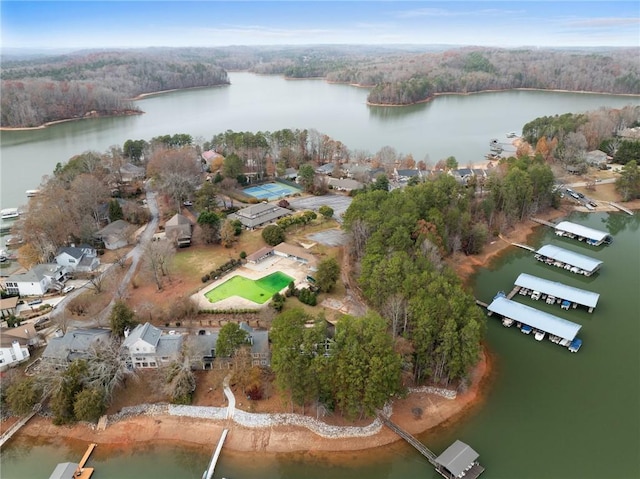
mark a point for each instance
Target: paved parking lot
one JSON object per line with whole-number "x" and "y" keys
{"x": 339, "y": 203}
{"x": 334, "y": 237}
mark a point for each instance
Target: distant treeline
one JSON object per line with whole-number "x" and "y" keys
{"x": 38, "y": 91}
{"x": 44, "y": 89}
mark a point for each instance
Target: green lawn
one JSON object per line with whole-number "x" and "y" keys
{"x": 259, "y": 291}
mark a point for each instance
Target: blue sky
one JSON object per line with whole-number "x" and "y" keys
{"x": 96, "y": 24}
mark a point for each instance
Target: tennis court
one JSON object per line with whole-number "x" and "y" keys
{"x": 271, "y": 191}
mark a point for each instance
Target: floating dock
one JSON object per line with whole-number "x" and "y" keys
{"x": 569, "y": 260}
{"x": 68, "y": 470}
{"x": 553, "y": 292}
{"x": 457, "y": 461}
{"x": 529, "y": 320}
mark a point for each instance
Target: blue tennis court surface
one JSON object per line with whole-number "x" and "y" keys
{"x": 271, "y": 191}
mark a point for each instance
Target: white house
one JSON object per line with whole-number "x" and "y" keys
{"x": 149, "y": 348}
{"x": 14, "y": 345}
{"x": 37, "y": 281}
{"x": 81, "y": 258}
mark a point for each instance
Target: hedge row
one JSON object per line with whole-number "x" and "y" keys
{"x": 229, "y": 311}
{"x": 303, "y": 219}
{"x": 225, "y": 268}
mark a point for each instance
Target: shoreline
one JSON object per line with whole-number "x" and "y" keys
{"x": 88, "y": 116}
{"x": 435, "y": 95}
{"x": 188, "y": 431}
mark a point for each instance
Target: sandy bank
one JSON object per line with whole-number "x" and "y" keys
{"x": 436, "y": 411}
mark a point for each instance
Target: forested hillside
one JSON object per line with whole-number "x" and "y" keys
{"x": 38, "y": 91}
{"x": 410, "y": 80}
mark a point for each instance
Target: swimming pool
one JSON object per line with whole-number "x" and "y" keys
{"x": 259, "y": 291}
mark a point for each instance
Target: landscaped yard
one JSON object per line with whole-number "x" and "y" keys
{"x": 259, "y": 291}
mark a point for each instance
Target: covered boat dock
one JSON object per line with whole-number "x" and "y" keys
{"x": 554, "y": 292}
{"x": 569, "y": 260}
{"x": 590, "y": 236}
{"x": 459, "y": 460}
{"x": 560, "y": 330}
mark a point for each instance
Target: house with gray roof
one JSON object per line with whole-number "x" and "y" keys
{"x": 326, "y": 169}
{"x": 202, "y": 350}
{"x": 115, "y": 235}
{"x": 74, "y": 345}
{"x": 147, "y": 347}
{"x": 83, "y": 258}
{"x": 259, "y": 340}
{"x": 179, "y": 230}
{"x": 259, "y": 215}
{"x": 344, "y": 184}
{"x": 37, "y": 281}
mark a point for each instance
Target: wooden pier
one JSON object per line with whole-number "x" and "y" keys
{"x": 621, "y": 208}
{"x": 543, "y": 222}
{"x": 524, "y": 246}
{"x": 208, "y": 474}
{"x": 466, "y": 465}
{"x": 421, "y": 448}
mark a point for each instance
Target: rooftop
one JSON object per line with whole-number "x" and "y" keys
{"x": 457, "y": 457}
{"x": 534, "y": 318}
{"x": 581, "y": 230}
{"x": 566, "y": 256}
{"x": 559, "y": 290}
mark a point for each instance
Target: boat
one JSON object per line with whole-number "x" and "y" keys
{"x": 526, "y": 329}
{"x": 565, "y": 304}
{"x": 3, "y": 256}
{"x": 512, "y": 134}
{"x": 32, "y": 193}
{"x": 9, "y": 213}
{"x": 565, "y": 342}
{"x": 494, "y": 145}
{"x": 575, "y": 345}
{"x": 535, "y": 295}
{"x": 551, "y": 299}
{"x": 507, "y": 322}
{"x": 539, "y": 335}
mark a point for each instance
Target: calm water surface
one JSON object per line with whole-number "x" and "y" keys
{"x": 548, "y": 414}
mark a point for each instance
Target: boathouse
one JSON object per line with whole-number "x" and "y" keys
{"x": 459, "y": 460}
{"x": 558, "y": 291}
{"x": 577, "y": 263}
{"x": 590, "y": 236}
{"x": 539, "y": 320}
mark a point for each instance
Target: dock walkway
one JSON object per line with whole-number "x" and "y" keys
{"x": 621, "y": 208}
{"x": 422, "y": 449}
{"x": 16, "y": 427}
{"x": 208, "y": 474}
{"x": 543, "y": 222}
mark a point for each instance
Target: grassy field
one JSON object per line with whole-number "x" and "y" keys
{"x": 259, "y": 291}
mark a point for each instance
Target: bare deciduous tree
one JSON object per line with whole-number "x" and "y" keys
{"x": 157, "y": 258}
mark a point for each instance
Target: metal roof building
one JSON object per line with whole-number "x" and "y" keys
{"x": 597, "y": 237}
{"x": 536, "y": 319}
{"x": 566, "y": 256}
{"x": 457, "y": 458}
{"x": 559, "y": 290}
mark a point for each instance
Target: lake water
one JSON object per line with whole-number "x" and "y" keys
{"x": 548, "y": 413}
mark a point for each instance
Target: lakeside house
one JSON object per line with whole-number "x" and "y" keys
{"x": 148, "y": 348}
{"x": 74, "y": 345}
{"x": 257, "y": 215}
{"x": 15, "y": 345}
{"x": 259, "y": 341}
{"x": 83, "y": 258}
{"x": 38, "y": 280}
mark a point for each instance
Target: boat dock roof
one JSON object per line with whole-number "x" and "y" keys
{"x": 536, "y": 319}
{"x": 559, "y": 290}
{"x": 569, "y": 257}
{"x": 584, "y": 231}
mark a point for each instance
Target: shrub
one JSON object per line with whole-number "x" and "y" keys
{"x": 205, "y": 278}
{"x": 273, "y": 235}
{"x": 243, "y": 254}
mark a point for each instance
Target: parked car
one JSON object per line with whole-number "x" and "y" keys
{"x": 68, "y": 289}
{"x": 188, "y": 203}
{"x": 34, "y": 302}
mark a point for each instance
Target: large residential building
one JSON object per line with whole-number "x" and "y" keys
{"x": 258, "y": 215}
{"x": 149, "y": 348}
